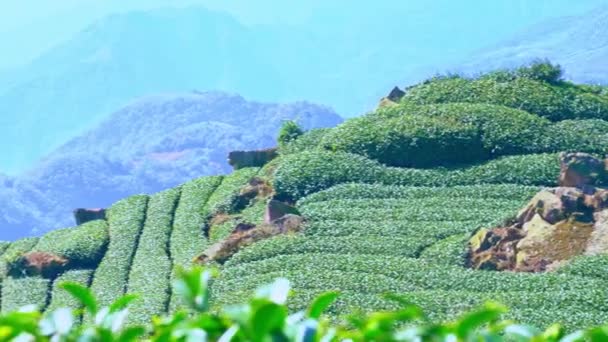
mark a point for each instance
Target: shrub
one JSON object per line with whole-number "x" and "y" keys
{"x": 13, "y": 252}
{"x": 61, "y": 298}
{"x": 82, "y": 246}
{"x": 503, "y": 130}
{"x": 310, "y": 140}
{"x": 266, "y": 316}
{"x": 289, "y": 132}
{"x": 595, "y": 266}
{"x": 380, "y": 191}
{"x": 581, "y": 136}
{"x": 408, "y": 140}
{"x": 151, "y": 268}
{"x": 379, "y": 245}
{"x": 305, "y": 173}
{"x": 554, "y": 102}
{"x": 3, "y": 246}
{"x": 223, "y": 199}
{"x": 187, "y": 238}
{"x": 19, "y": 292}
{"x": 125, "y": 220}
{"x": 449, "y": 251}
{"x": 542, "y": 71}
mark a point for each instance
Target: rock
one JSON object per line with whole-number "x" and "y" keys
{"x": 598, "y": 241}
{"x": 556, "y": 225}
{"x": 38, "y": 264}
{"x": 276, "y": 209}
{"x": 547, "y": 204}
{"x": 396, "y": 94}
{"x": 546, "y": 243}
{"x": 581, "y": 170}
{"x": 257, "y": 158}
{"x": 393, "y": 98}
{"x": 246, "y": 234}
{"x": 289, "y": 223}
{"x": 494, "y": 249}
{"x": 82, "y": 215}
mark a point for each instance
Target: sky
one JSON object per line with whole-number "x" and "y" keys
{"x": 31, "y": 27}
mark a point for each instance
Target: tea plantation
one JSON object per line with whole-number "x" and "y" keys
{"x": 390, "y": 200}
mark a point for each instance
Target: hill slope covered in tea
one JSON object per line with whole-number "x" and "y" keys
{"x": 390, "y": 200}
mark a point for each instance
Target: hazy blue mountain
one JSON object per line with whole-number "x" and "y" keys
{"x": 578, "y": 43}
{"x": 341, "y": 53}
{"x": 153, "y": 143}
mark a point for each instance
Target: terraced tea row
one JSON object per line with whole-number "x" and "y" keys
{"x": 136, "y": 250}
{"x": 368, "y": 239}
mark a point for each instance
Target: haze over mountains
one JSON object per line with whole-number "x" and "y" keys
{"x": 55, "y": 118}
{"x": 578, "y": 43}
{"x": 152, "y": 144}
{"x": 325, "y": 56}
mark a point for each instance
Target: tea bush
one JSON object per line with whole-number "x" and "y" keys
{"x": 19, "y": 292}
{"x": 595, "y": 266}
{"x": 380, "y": 191}
{"x": 83, "y": 246}
{"x": 310, "y": 140}
{"x": 408, "y": 140}
{"x": 554, "y": 102}
{"x": 448, "y": 251}
{"x": 267, "y": 316}
{"x": 125, "y": 220}
{"x": 187, "y": 238}
{"x": 581, "y": 135}
{"x": 223, "y": 198}
{"x": 305, "y": 173}
{"x": 61, "y": 298}
{"x": 151, "y": 268}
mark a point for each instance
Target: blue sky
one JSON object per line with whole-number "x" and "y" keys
{"x": 30, "y": 27}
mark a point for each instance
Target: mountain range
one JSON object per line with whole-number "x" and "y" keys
{"x": 578, "y": 43}
{"x": 154, "y": 143}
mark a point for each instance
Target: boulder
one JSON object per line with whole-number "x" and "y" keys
{"x": 245, "y": 234}
{"x": 256, "y": 158}
{"x": 581, "y": 170}
{"x": 556, "y": 225}
{"x": 546, "y": 243}
{"x": 83, "y": 215}
{"x": 276, "y": 209}
{"x": 38, "y": 264}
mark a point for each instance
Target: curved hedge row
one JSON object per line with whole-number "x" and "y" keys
{"x": 83, "y": 246}
{"x": 125, "y": 219}
{"x": 444, "y": 134}
{"x": 20, "y": 292}
{"x": 302, "y": 174}
{"x": 60, "y": 298}
{"x": 408, "y": 140}
{"x": 151, "y": 268}
{"x": 380, "y": 191}
{"x": 448, "y": 251}
{"x": 460, "y": 133}
{"x": 554, "y": 102}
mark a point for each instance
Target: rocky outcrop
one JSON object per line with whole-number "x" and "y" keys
{"x": 276, "y": 209}
{"x": 555, "y": 226}
{"x": 82, "y": 215}
{"x": 392, "y": 98}
{"x": 38, "y": 264}
{"x": 257, "y": 158}
{"x": 245, "y": 234}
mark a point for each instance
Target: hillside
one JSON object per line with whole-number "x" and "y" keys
{"x": 390, "y": 200}
{"x": 154, "y": 143}
{"x": 578, "y": 43}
